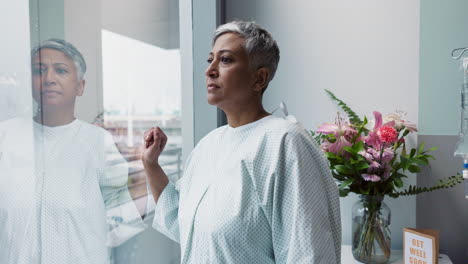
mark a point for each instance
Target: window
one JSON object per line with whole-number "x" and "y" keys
{"x": 132, "y": 82}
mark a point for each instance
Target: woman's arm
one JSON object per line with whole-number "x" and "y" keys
{"x": 165, "y": 195}
{"x": 155, "y": 141}
{"x": 306, "y": 224}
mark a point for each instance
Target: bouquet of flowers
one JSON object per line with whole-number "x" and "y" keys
{"x": 370, "y": 158}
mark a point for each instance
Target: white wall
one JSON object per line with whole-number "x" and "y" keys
{"x": 365, "y": 51}
{"x": 85, "y": 34}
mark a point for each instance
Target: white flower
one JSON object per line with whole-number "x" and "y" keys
{"x": 396, "y": 117}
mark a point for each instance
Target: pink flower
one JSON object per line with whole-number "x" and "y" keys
{"x": 387, "y": 134}
{"x": 378, "y": 120}
{"x": 328, "y": 128}
{"x": 371, "y": 177}
{"x": 366, "y": 155}
{"x": 375, "y": 154}
{"x": 337, "y": 147}
{"x": 387, "y": 155}
{"x": 325, "y": 146}
{"x": 374, "y": 165}
{"x": 387, "y": 171}
{"x": 373, "y": 139}
{"x": 343, "y": 134}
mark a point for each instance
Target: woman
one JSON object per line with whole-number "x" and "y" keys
{"x": 257, "y": 190}
{"x": 79, "y": 173}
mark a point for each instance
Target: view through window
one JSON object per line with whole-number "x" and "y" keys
{"x": 141, "y": 89}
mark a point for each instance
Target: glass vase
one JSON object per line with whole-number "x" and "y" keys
{"x": 371, "y": 231}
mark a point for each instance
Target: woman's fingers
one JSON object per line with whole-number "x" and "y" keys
{"x": 147, "y": 133}
{"x": 155, "y": 139}
{"x": 163, "y": 140}
{"x": 148, "y": 137}
{"x": 154, "y": 142}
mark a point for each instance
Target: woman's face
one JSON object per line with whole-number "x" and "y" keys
{"x": 55, "y": 79}
{"x": 229, "y": 79}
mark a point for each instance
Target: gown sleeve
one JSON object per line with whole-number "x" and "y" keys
{"x": 166, "y": 213}
{"x": 305, "y": 212}
{"x": 122, "y": 216}
{"x": 114, "y": 177}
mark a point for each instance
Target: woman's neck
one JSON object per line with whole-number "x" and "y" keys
{"x": 54, "y": 118}
{"x": 245, "y": 114}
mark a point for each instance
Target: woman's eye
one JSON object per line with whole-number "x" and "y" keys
{"x": 209, "y": 60}
{"x": 226, "y": 60}
{"x": 37, "y": 71}
{"x": 61, "y": 71}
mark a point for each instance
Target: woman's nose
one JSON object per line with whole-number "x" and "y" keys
{"x": 211, "y": 71}
{"x": 48, "y": 77}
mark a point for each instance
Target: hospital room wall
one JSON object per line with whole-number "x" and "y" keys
{"x": 366, "y": 52}
{"x": 442, "y": 29}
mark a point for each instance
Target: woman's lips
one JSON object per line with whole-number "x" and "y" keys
{"x": 212, "y": 87}
{"x": 50, "y": 93}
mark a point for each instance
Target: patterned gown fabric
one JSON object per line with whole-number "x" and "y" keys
{"x": 58, "y": 212}
{"x": 260, "y": 193}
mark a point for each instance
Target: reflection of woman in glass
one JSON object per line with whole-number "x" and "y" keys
{"x": 257, "y": 190}
{"x": 80, "y": 174}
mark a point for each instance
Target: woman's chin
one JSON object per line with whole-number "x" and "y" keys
{"x": 54, "y": 106}
{"x": 212, "y": 100}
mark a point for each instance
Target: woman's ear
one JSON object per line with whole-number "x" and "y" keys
{"x": 80, "y": 88}
{"x": 262, "y": 77}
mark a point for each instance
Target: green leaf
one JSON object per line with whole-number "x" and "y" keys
{"x": 414, "y": 169}
{"x": 346, "y": 183}
{"x": 344, "y": 193}
{"x": 401, "y": 175}
{"x": 442, "y": 184}
{"x": 421, "y": 147}
{"x": 404, "y": 162}
{"x": 398, "y": 182}
{"x": 421, "y": 161}
{"x": 330, "y": 155}
{"x": 358, "y": 146}
{"x": 431, "y": 149}
{"x": 343, "y": 169}
{"x": 339, "y": 177}
{"x": 364, "y": 191}
{"x": 353, "y": 117}
{"x": 349, "y": 149}
{"x": 362, "y": 165}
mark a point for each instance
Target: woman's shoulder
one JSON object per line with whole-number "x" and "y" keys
{"x": 92, "y": 134}
{"x": 92, "y": 128}
{"x": 277, "y": 126}
{"x": 212, "y": 135}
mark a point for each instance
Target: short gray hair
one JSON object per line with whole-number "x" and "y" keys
{"x": 260, "y": 46}
{"x": 68, "y": 49}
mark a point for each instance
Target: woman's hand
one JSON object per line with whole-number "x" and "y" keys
{"x": 155, "y": 141}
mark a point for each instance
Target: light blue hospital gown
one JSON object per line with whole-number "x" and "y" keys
{"x": 56, "y": 211}
{"x": 259, "y": 193}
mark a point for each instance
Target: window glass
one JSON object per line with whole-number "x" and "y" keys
{"x": 71, "y": 130}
